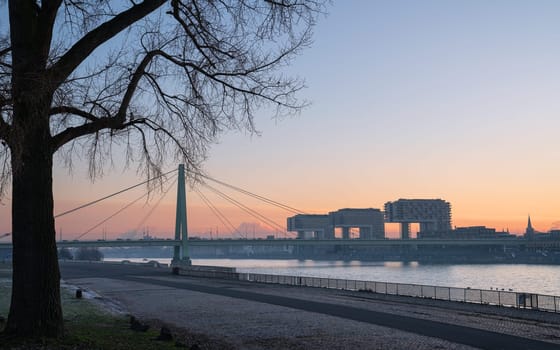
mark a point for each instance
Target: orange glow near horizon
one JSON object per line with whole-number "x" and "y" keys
{"x": 499, "y": 208}
{"x": 203, "y": 223}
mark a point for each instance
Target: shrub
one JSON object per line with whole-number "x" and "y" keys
{"x": 90, "y": 254}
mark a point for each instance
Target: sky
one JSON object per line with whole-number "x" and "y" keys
{"x": 409, "y": 99}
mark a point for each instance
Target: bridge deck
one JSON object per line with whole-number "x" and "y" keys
{"x": 549, "y": 243}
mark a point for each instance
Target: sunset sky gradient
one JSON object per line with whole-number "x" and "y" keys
{"x": 458, "y": 100}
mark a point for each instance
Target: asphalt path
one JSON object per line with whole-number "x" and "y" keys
{"x": 479, "y": 338}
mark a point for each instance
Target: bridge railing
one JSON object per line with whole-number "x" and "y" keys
{"x": 541, "y": 302}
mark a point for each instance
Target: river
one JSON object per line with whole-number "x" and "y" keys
{"x": 541, "y": 279}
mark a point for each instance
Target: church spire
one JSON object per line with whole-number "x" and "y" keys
{"x": 529, "y": 231}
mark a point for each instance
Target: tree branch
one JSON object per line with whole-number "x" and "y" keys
{"x": 185, "y": 26}
{"x": 216, "y": 76}
{"x": 155, "y": 127}
{"x": 5, "y": 101}
{"x": 73, "y": 110}
{"x": 4, "y": 130}
{"x": 131, "y": 88}
{"x": 224, "y": 70}
{"x": 116, "y": 122}
{"x": 92, "y": 40}
{"x": 5, "y": 51}
{"x": 46, "y": 19}
{"x": 72, "y": 133}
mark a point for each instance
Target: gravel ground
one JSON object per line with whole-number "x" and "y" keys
{"x": 243, "y": 324}
{"x": 524, "y": 323}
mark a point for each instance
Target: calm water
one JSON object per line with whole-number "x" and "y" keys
{"x": 542, "y": 279}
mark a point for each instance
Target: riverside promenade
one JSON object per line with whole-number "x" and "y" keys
{"x": 244, "y": 315}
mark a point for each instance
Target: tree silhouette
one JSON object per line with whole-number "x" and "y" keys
{"x": 150, "y": 79}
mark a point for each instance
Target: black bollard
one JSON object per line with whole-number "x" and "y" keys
{"x": 78, "y": 294}
{"x": 165, "y": 334}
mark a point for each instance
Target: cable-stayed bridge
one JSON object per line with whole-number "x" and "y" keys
{"x": 181, "y": 241}
{"x": 311, "y": 242}
{"x": 169, "y": 179}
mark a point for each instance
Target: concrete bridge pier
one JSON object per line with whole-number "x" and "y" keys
{"x": 346, "y": 233}
{"x": 365, "y": 233}
{"x": 405, "y": 230}
{"x": 181, "y": 253}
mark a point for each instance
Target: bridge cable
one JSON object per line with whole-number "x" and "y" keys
{"x": 115, "y": 214}
{"x": 248, "y": 210}
{"x": 217, "y": 212}
{"x": 112, "y": 195}
{"x": 214, "y": 210}
{"x": 147, "y": 216}
{"x": 254, "y": 195}
{"x": 111, "y": 216}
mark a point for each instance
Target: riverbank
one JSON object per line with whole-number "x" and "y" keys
{"x": 90, "y": 323}
{"x": 262, "y": 316}
{"x": 226, "y": 314}
{"x": 536, "y": 279}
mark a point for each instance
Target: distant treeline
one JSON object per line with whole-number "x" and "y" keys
{"x": 82, "y": 253}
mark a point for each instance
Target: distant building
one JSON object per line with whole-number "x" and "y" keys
{"x": 474, "y": 232}
{"x": 529, "y": 231}
{"x": 479, "y": 232}
{"x": 433, "y": 215}
{"x": 469, "y": 232}
{"x": 319, "y": 226}
{"x": 370, "y": 223}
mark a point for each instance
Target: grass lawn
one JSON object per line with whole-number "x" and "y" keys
{"x": 87, "y": 326}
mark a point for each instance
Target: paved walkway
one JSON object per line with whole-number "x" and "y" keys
{"x": 260, "y": 316}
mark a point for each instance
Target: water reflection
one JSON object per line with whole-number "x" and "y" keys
{"x": 400, "y": 264}
{"x": 542, "y": 279}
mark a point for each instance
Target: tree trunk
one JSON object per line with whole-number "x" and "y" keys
{"x": 35, "y": 309}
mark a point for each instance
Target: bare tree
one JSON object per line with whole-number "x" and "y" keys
{"x": 158, "y": 79}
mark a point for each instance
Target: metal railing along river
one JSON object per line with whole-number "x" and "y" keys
{"x": 541, "y": 302}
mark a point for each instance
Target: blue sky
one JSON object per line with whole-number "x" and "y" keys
{"x": 410, "y": 99}
{"x": 451, "y": 99}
